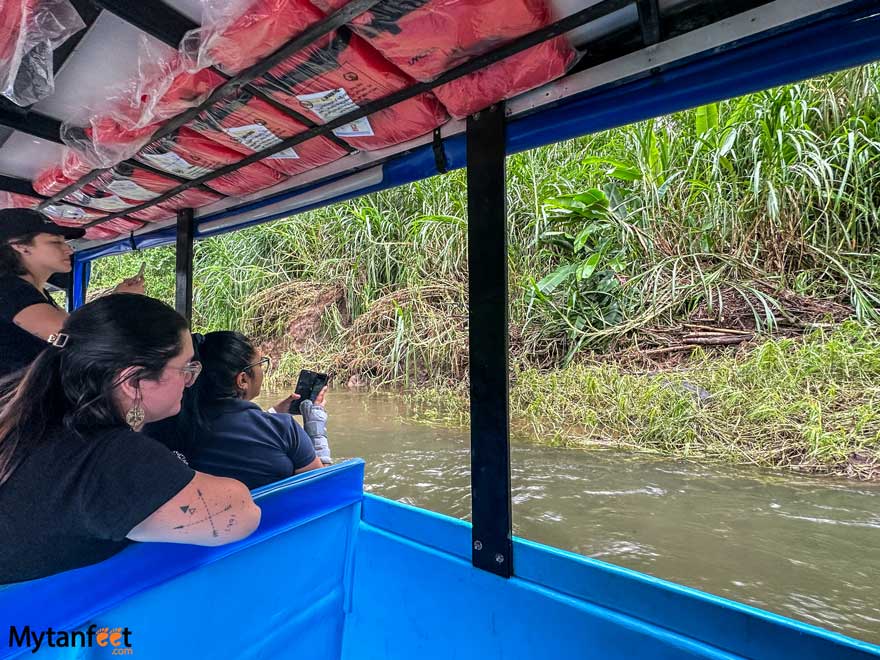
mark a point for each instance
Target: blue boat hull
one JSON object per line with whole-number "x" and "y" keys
{"x": 333, "y": 573}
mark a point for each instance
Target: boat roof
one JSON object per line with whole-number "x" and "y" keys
{"x": 637, "y": 59}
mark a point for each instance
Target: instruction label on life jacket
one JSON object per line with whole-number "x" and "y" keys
{"x": 65, "y": 212}
{"x": 131, "y": 190}
{"x": 171, "y": 162}
{"x": 257, "y": 137}
{"x": 110, "y": 203}
{"x": 332, "y": 104}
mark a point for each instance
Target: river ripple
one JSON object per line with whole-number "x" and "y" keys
{"x": 805, "y": 547}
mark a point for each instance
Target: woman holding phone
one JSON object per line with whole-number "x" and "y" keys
{"x": 230, "y": 436}
{"x": 33, "y": 249}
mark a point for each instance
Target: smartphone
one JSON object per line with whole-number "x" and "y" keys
{"x": 308, "y": 386}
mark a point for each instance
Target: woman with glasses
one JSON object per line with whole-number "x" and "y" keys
{"x": 232, "y": 436}
{"x": 78, "y": 479}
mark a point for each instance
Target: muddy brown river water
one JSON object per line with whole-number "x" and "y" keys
{"x": 804, "y": 547}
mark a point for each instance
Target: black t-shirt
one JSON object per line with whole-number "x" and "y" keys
{"x": 18, "y": 347}
{"x": 72, "y": 500}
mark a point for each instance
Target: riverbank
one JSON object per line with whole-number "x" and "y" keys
{"x": 808, "y": 404}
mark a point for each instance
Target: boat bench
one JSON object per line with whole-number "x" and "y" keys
{"x": 332, "y": 573}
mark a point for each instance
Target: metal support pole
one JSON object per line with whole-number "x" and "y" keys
{"x": 487, "y": 314}
{"x": 79, "y": 284}
{"x": 649, "y": 20}
{"x": 183, "y": 290}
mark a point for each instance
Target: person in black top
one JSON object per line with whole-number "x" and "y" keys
{"x": 32, "y": 249}
{"x": 78, "y": 480}
{"x": 234, "y": 437}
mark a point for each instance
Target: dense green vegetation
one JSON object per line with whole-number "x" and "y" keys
{"x": 809, "y": 405}
{"x": 756, "y": 216}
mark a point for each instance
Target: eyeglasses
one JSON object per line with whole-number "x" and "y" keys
{"x": 190, "y": 371}
{"x": 265, "y": 362}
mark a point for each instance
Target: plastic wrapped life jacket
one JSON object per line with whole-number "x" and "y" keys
{"x": 124, "y": 186}
{"x": 10, "y": 200}
{"x": 160, "y": 99}
{"x": 118, "y": 133}
{"x": 102, "y": 232}
{"x": 190, "y": 155}
{"x": 340, "y": 74}
{"x": 336, "y": 75}
{"x": 12, "y": 15}
{"x": 138, "y": 185}
{"x": 69, "y": 216}
{"x": 103, "y": 143}
{"x": 63, "y": 213}
{"x": 428, "y": 37}
{"x": 125, "y": 178}
{"x": 29, "y": 31}
{"x": 248, "y": 124}
{"x": 51, "y": 181}
{"x": 13, "y": 19}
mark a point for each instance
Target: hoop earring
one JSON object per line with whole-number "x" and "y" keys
{"x": 136, "y": 415}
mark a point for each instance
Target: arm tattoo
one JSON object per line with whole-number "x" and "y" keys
{"x": 209, "y": 517}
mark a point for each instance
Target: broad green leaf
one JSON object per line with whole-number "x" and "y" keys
{"x": 592, "y": 203}
{"x": 729, "y": 141}
{"x": 554, "y": 279}
{"x": 585, "y": 235}
{"x": 707, "y": 118}
{"x": 588, "y": 267}
{"x": 625, "y": 173}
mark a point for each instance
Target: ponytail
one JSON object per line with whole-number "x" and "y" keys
{"x": 41, "y": 382}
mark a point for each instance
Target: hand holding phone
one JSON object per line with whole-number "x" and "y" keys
{"x": 308, "y": 386}
{"x": 134, "y": 284}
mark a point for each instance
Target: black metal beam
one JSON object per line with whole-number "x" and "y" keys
{"x": 5, "y": 134}
{"x": 538, "y": 36}
{"x": 649, "y": 21}
{"x": 19, "y": 186}
{"x": 487, "y": 330}
{"x": 151, "y": 16}
{"x": 183, "y": 288}
{"x": 29, "y": 121}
